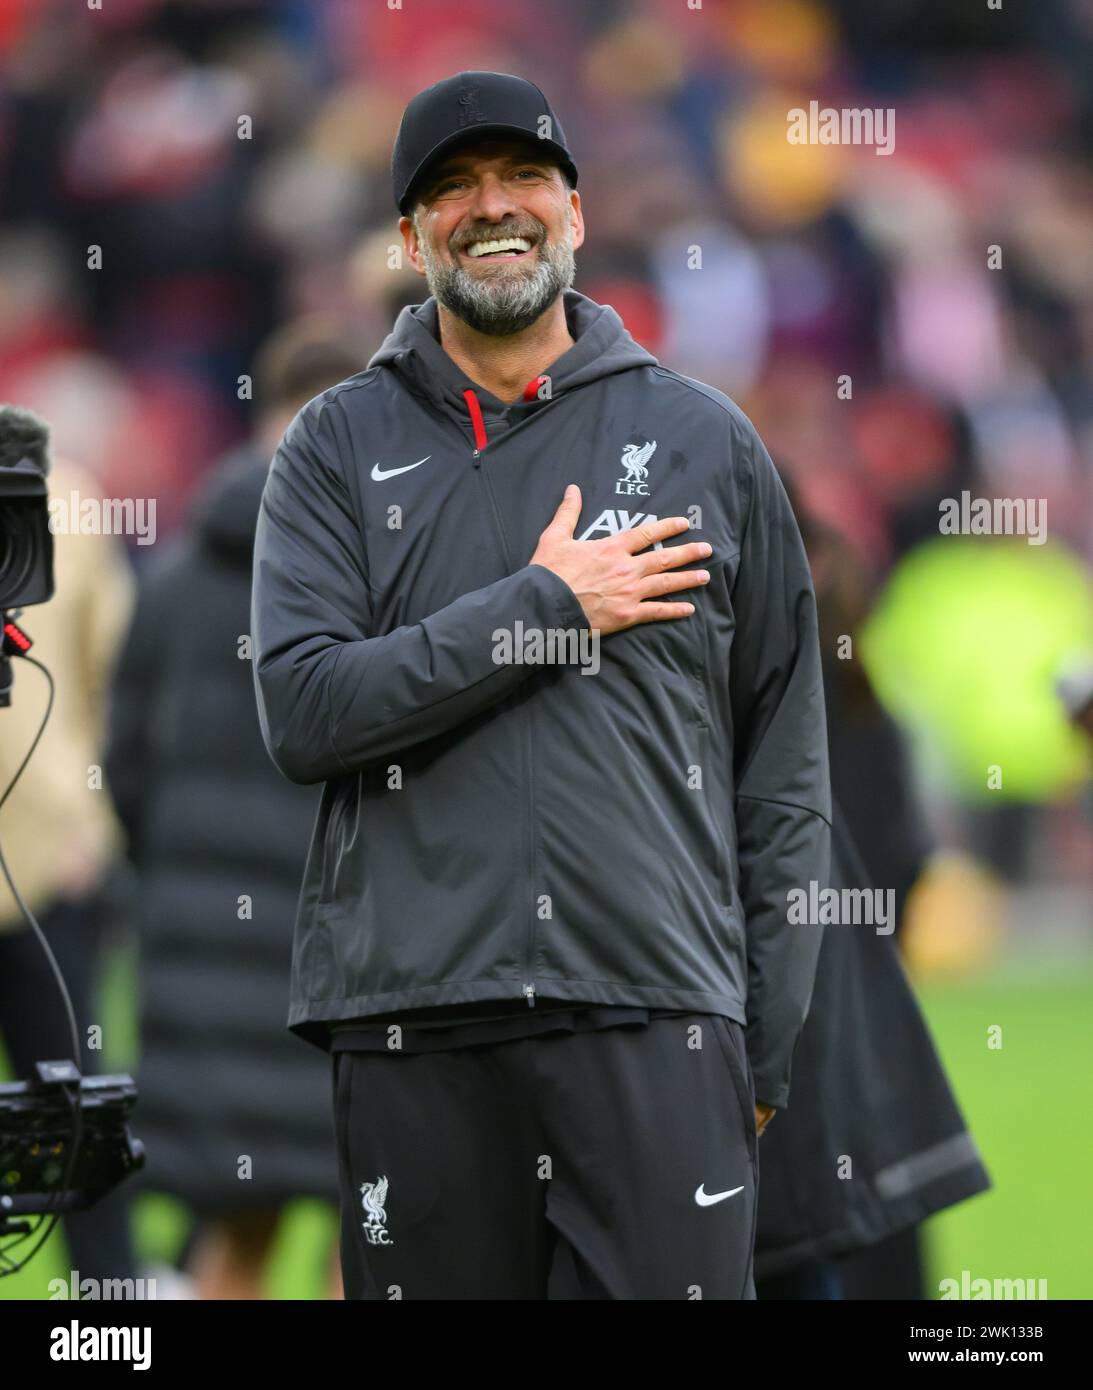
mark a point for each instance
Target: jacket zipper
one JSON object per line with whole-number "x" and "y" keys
{"x": 528, "y": 988}
{"x": 482, "y": 441}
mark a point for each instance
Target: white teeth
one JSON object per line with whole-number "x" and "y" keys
{"x": 490, "y": 248}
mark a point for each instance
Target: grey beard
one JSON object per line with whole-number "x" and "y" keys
{"x": 503, "y": 304}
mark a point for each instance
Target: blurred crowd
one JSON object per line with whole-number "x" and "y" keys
{"x": 900, "y": 326}
{"x": 181, "y": 181}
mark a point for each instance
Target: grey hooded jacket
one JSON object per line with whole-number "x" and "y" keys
{"x": 619, "y": 827}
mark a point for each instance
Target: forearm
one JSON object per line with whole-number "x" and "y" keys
{"x": 327, "y": 707}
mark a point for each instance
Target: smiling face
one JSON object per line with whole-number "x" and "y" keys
{"x": 494, "y": 232}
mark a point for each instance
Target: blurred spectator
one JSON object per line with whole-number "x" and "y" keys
{"x": 869, "y": 1089}
{"x": 234, "y": 1114}
{"x": 962, "y": 644}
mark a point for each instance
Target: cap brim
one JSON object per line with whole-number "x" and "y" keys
{"x": 471, "y": 136}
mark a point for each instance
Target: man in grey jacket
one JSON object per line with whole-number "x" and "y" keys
{"x": 570, "y": 779}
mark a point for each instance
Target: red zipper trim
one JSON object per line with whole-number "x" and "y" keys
{"x": 476, "y": 418}
{"x": 531, "y": 391}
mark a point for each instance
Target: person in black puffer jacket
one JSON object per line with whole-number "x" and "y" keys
{"x": 234, "y": 1113}
{"x": 877, "y": 1142}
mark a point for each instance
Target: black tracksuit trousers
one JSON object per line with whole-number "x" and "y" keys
{"x": 619, "y": 1163}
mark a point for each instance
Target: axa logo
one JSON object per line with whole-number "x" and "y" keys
{"x": 373, "y": 1198}
{"x": 611, "y": 523}
{"x": 635, "y": 459}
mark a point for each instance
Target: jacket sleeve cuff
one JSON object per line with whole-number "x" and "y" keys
{"x": 564, "y": 608}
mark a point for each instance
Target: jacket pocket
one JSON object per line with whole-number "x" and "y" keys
{"x": 333, "y": 839}
{"x": 719, "y": 828}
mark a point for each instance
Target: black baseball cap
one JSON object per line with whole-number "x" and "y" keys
{"x": 467, "y": 107}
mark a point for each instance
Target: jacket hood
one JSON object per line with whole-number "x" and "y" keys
{"x": 226, "y": 511}
{"x": 602, "y": 348}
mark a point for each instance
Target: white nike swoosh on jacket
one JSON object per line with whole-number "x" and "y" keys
{"x": 379, "y": 474}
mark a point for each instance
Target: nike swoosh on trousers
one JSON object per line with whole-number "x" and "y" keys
{"x": 707, "y": 1199}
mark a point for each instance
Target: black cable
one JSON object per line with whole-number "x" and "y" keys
{"x": 6, "y": 1266}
